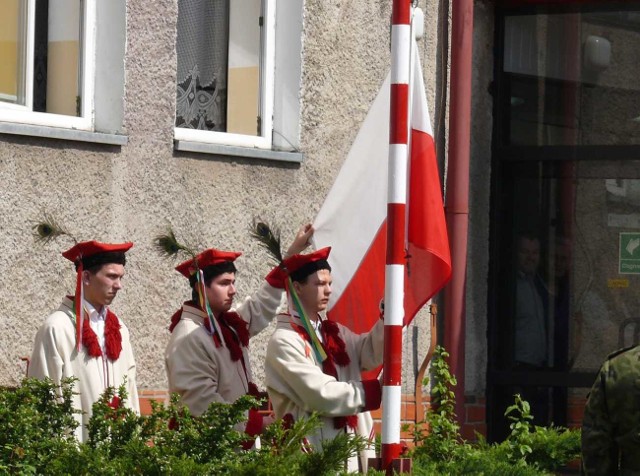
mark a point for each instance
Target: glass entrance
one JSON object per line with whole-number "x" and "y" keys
{"x": 565, "y": 205}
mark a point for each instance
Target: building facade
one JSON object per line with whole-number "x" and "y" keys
{"x": 122, "y": 118}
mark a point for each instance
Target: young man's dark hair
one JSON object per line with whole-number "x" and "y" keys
{"x": 301, "y": 274}
{"x": 95, "y": 262}
{"x": 210, "y": 272}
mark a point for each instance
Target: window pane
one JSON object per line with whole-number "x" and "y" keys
{"x": 572, "y": 78}
{"x": 13, "y": 25}
{"x": 244, "y": 68}
{"x": 57, "y": 57}
{"x": 219, "y": 63}
{"x": 202, "y": 49}
{"x": 575, "y": 234}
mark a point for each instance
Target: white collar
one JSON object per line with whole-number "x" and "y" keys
{"x": 93, "y": 313}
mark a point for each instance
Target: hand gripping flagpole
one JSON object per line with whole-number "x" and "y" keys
{"x": 396, "y": 231}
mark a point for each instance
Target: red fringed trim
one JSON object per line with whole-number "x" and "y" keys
{"x": 112, "y": 336}
{"x": 253, "y": 390}
{"x": 287, "y": 421}
{"x": 235, "y": 332}
{"x": 254, "y": 423}
{"x": 175, "y": 319}
{"x": 90, "y": 340}
{"x": 239, "y": 325}
{"x": 333, "y": 343}
{"x": 329, "y": 368}
{"x": 350, "y": 421}
{"x": 173, "y": 423}
{"x": 115, "y": 402}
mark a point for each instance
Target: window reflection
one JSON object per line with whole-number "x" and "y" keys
{"x": 572, "y": 79}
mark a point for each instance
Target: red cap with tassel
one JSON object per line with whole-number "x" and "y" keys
{"x": 86, "y": 255}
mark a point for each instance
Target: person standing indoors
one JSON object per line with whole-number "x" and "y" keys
{"x": 95, "y": 348}
{"x": 313, "y": 364}
{"x": 207, "y": 357}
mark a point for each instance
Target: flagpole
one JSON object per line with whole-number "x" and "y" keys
{"x": 396, "y": 231}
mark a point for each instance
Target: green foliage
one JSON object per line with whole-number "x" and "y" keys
{"x": 38, "y": 438}
{"x": 528, "y": 450}
{"x": 546, "y": 448}
{"x": 37, "y": 424}
{"x": 441, "y": 438}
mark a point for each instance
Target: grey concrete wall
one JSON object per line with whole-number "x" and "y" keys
{"x": 479, "y": 196}
{"x": 133, "y": 192}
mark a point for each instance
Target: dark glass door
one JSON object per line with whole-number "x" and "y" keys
{"x": 565, "y": 204}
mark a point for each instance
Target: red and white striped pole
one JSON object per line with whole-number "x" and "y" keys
{"x": 396, "y": 221}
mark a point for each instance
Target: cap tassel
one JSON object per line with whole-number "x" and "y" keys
{"x": 204, "y": 305}
{"x": 78, "y": 300}
{"x": 321, "y": 355}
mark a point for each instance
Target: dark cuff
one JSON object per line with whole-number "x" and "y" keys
{"x": 277, "y": 277}
{"x": 372, "y": 394}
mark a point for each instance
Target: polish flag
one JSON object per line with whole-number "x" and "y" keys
{"x": 353, "y": 218}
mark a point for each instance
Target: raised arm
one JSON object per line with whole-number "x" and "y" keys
{"x": 261, "y": 307}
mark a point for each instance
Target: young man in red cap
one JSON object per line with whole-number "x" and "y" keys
{"x": 207, "y": 357}
{"x": 94, "y": 349}
{"x": 314, "y": 365}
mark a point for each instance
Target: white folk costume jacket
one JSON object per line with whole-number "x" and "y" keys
{"x": 298, "y": 384}
{"x": 202, "y": 369}
{"x": 55, "y": 356}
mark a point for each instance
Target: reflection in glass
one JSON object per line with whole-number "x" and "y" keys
{"x": 572, "y": 79}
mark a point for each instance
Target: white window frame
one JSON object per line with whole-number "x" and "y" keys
{"x": 24, "y": 114}
{"x": 267, "y": 75}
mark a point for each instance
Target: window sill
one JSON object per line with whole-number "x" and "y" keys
{"x": 60, "y": 133}
{"x": 246, "y": 152}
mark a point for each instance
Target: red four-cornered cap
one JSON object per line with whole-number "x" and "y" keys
{"x": 295, "y": 262}
{"x": 206, "y": 258}
{"x": 86, "y": 249}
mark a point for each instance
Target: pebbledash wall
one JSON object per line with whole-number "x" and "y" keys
{"x": 133, "y": 191}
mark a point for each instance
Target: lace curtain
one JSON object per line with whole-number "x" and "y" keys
{"x": 202, "y": 48}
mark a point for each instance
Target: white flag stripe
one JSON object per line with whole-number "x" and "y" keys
{"x": 420, "y": 118}
{"x": 363, "y": 174}
{"x": 399, "y": 58}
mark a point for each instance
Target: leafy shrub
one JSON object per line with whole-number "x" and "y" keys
{"x": 37, "y": 424}
{"x": 528, "y": 450}
{"x": 38, "y": 438}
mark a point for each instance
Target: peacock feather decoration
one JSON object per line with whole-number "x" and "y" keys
{"x": 169, "y": 247}
{"x": 268, "y": 238}
{"x": 48, "y": 229}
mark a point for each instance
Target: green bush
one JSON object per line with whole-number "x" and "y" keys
{"x": 528, "y": 450}
{"x": 38, "y": 438}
